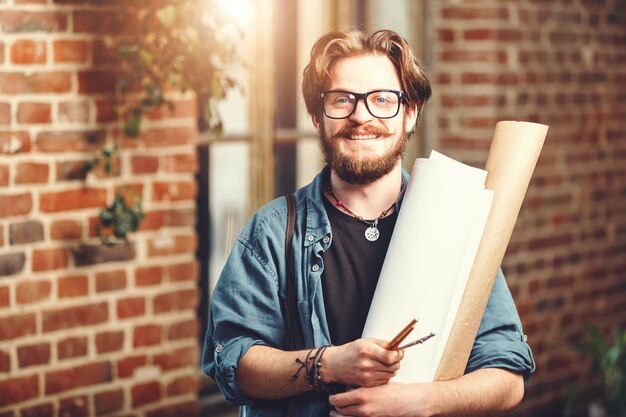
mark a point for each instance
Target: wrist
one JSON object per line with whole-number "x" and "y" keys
{"x": 328, "y": 374}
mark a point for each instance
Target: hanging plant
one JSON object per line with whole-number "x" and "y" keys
{"x": 185, "y": 45}
{"x": 121, "y": 217}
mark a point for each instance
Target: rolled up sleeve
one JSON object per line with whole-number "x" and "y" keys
{"x": 244, "y": 311}
{"x": 500, "y": 341}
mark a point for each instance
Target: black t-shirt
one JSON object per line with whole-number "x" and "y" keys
{"x": 352, "y": 265}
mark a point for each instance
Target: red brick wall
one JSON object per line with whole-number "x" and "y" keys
{"x": 560, "y": 63}
{"x": 86, "y": 329}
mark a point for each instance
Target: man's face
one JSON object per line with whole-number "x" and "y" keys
{"x": 362, "y": 148}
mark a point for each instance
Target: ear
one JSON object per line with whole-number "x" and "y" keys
{"x": 317, "y": 124}
{"x": 411, "y": 113}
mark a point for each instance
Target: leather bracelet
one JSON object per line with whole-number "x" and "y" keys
{"x": 315, "y": 376}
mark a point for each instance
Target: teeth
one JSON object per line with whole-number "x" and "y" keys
{"x": 363, "y": 137}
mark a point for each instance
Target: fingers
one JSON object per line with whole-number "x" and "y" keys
{"x": 384, "y": 356}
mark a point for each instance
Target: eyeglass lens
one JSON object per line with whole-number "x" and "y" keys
{"x": 381, "y": 104}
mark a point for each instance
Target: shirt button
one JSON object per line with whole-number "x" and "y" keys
{"x": 525, "y": 338}
{"x": 218, "y": 347}
{"x": 311, "y": 238}
{"x": 326, "y": 239}
{"x": 315, "y": 268}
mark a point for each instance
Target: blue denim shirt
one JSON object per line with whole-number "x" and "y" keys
{"x": 247, "y": 305}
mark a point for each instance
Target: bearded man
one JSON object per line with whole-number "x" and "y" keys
{"x": 364, "y": 95}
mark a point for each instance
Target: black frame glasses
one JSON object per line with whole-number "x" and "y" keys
{"x": 360, "y": 96}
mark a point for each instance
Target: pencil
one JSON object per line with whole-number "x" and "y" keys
{"x": 395, "y": 342}
{"x": 417, "y": 342}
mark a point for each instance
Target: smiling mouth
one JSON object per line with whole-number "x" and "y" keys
{"x": 363, "y": 137}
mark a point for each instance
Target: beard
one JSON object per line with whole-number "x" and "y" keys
{"x": 359, "y": 170}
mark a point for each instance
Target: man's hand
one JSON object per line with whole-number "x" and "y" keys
{"x": 363, "y": 363}
{"x": 485, "y": 392}
{"x": 387, "y": 400}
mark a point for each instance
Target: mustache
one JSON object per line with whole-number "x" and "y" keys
{"x": 351, "y": 131}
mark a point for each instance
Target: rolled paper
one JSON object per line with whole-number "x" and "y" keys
{"x": 429, "y": 258}
{"x": 512, "y": 158}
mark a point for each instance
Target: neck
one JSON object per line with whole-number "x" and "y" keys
{"x": 370, "y": 200}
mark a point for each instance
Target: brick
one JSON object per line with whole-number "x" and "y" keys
{"x": 5, "y": 111}
{"x": 79, "y": 376}
{"x": 12, "y": 263}
{"x": 31, "y": 355}
{"x": 189, "y": 408}
{"x": 172, "y": 245}
{"x": 5, "y": 362}
{"x": 107, "y": 402}
{"x": 31, "y": 173}
{"x": 35, "y": 83}
{"x": 131, "y": 307}
{"x": 96, "y": 82}
{"x": 4, "y": 297}
{"x": 103, "y": 52}
{"x": 186, "y": 163}
{"x": 183, "y": 330}
{"x": 25, "y": 232}
{"x": 17, "y": 390}
{"x": 180, "y": 217}
{"x": 187, "y": 271}
{"x": 66, "y": 230}
{"x": 52, "y": 202}
{"x": 177, "y": 358}
{"x": 467, "y": 56}
{"x": 153, "y": 220}
{"x": 72, "y": 170}
{"x": 175, "y": 301}
{"x": 145, "y": 393}
{"x": 12, "y": 327}
{"x": 106, "y": 111}
{"x": 4, "y": 175}
{"x": 73, "y": 286}
{"x": 178, "y": 109}
{"x": 73, "y": 112}
{"x": 49, "y": 259}
{"x": 126, "y": 367}
{"x": 13, "y": 142}
{"x": 147, "y": 335}
{"x": 475, "y": 13}
{"x": 68, "y": 141}
{"x": 74, "y": 407}
{"x": 144, "y": 164}
{"x": 109, "y": 341}
{"x": 39, "y": 410}
{"x": 72, "y": 347}
{"x": 187, "y": 384}
{"x": 32, "y": 291}
{"x": 15, "y": 205}
{"x": 13, "y": 21}
{"x": 110, "y": 280}
{"x": 70, "y": 317}
{"x": 171, "y": 136}
{"x": 71, "y": 51}
{"x": 88, "y": 21}
{"x": 152, "y": 275}
{"x": 34, "y": 113}
{"x": 86, "y": 255}
{"x": 28, "y": 52}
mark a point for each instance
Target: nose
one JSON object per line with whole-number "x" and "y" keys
{"x": 360, "y": 114}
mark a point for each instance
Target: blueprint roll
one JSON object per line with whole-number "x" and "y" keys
{"x": 448, "y": 243}
{"x": 513, "y": 155}
{"x": 434, "y": 242}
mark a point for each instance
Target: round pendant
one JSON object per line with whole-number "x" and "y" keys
{"x": 372, "y": 233}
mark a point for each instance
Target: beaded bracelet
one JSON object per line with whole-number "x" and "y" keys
{"x": 313, "y": 371}
{"x": 315, "y": 376}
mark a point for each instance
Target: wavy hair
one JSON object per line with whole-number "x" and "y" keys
{"x": 337, "y": 45}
